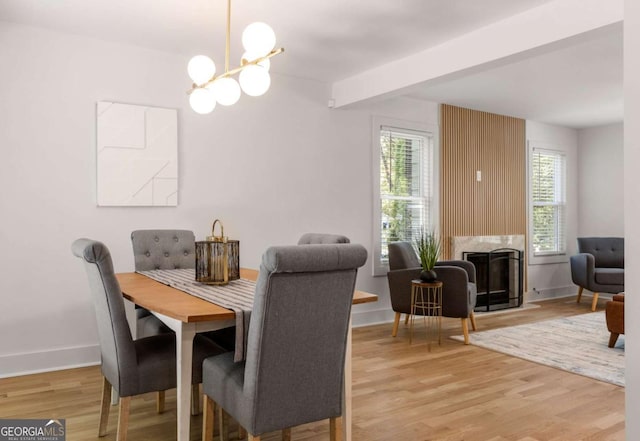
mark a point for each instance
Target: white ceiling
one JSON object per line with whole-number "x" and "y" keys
{"x": 576, "y": 86}
{"x": 328, "y": 40}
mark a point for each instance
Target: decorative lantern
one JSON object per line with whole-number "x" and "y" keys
{"x": 217, "y": 258}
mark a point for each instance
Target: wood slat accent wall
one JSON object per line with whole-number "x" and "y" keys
{"x": 495, "y": 145}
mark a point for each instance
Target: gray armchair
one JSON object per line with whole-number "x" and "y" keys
{"x": 458, "y": 279}
{"x": 293, "y": 373}
{"x": 130, "y": 367}
{"x": 599, "y": 266}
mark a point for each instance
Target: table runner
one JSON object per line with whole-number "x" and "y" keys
{"x": 236, "y": 296}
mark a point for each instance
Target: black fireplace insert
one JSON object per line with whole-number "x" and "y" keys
{"x": 498, "y": 278}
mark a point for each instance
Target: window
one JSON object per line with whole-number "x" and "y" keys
{"x": 548, "y": 202}
{"x": 404, "y": 196}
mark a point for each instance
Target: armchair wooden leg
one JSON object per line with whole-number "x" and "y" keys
{"x": 208, "y": 418}
{"x": 406, "y": 318}
{"x": 472, "y": 317}
{"x": 594, "y": 302}
{"x": 465, "y": 330}
{"x": 123, "y": 418}
{"x": 335, "y": 428}
{"x": 254, "y": 437}
{"x": 104, "y": 407}
{"x": 160, "y": 401}
{"x": 286, "y": 434}
{"x": 195, "y": 399}
{"x": 579, "y": 294}
{"x": 613, "y": 339}
{"x": 396, "y": 322}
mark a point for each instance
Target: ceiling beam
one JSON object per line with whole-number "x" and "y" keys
{"x": 545, "y": 27}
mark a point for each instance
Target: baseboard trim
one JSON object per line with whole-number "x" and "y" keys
{"x": 13, "y": 365}
{"x": 551, "y": 293}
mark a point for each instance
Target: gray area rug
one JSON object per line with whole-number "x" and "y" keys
{"x": 576, "y": 344}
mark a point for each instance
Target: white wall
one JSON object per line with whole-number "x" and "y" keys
{"x": 270, "y": 168}
{"x": 601, "y": 181}
{"x": 632, "y": 213}
{"x": 554, "y": 279}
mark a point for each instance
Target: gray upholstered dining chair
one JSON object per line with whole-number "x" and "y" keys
{"x": 458, "y": 279}
{"x": 131, "y": 367}
{"x": 160, "y": 249}
{"x": 169, "y": 249}
{"x": 321, "y": 238}
{"x": 294, "y": 368}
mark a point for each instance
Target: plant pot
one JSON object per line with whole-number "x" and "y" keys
{"x": 428, "y": 276}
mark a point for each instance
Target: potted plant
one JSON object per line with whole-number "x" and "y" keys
{"x": 428, "y": 247}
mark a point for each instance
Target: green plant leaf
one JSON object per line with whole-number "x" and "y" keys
{"x": 428, "y": 248}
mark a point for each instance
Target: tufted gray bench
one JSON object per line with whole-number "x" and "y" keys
{"x": 599, "y": 266}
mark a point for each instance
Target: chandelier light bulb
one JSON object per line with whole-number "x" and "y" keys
{"x": 258, "y": 38}
{"x": 201, "y": 68}
{"x": 202, "y": 101}
{"x": 226, "y": 91}
{"x": 248, "y": 56}
{"x": 255, "y": 80}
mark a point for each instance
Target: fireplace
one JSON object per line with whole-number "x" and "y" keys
{"x": 498, "y": 278}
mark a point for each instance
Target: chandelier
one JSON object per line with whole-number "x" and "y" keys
{"x": 207, "y": 89}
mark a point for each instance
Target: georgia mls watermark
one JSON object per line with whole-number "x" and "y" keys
{"x": 32, "y": 430}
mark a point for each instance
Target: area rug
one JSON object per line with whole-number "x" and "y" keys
{"x": 576, "y": 344}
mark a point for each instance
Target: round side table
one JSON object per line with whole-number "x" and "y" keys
{"x": 426, "y": 298}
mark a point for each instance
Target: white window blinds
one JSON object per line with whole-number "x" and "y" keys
{"x": 548, "y": 185}
{"x": 406, "y": 168}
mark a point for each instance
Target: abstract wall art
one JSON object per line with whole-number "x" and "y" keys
{"x": 137, "y": 155}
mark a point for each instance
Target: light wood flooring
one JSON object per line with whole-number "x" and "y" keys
{"x": 401, "y": 392}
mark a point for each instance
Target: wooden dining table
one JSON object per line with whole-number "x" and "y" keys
{"x": 188, "y": 315}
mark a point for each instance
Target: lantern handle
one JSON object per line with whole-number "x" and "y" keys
{"x": 215, "y": 238}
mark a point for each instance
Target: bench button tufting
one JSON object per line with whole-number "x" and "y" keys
{"x": 175, "y": 238}
{"x": 157, "y": 239}
{"x": 148, "y": 254}
{"x": 186, "y": 253}
{"x": 166, "y": 254}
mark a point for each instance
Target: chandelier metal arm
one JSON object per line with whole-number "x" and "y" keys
{"x": 227, "y": 50}
{"x": 228, "y": 73}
